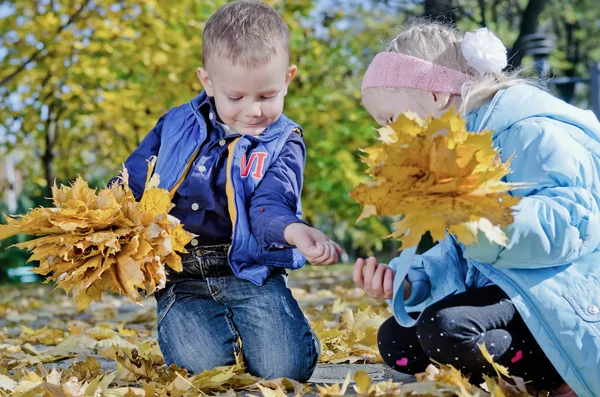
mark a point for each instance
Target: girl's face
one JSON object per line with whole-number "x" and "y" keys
{"x": 385, "y": 104}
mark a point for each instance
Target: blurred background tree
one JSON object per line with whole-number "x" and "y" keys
{"x": 83, "y": 81}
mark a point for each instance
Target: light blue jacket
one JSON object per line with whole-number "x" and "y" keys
{"x": 551, "y": 267}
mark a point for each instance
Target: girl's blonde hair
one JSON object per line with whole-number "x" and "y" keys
{"x": 440, "y": 44}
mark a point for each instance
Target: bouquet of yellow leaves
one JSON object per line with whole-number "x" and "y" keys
{"x": 438, "y": 176}
{"x": 94, "y": 242}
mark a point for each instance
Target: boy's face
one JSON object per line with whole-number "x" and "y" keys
{"x": 247, "y": 100}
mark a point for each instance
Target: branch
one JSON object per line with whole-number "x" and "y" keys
{"x": 36, "y": 54}
{"x": 495, "y": 10}
{"x": 49, "y": 133}
{"x": 482, "y": 12}
{"x": 462, "y": 12}
{"x": 529, "y": 24}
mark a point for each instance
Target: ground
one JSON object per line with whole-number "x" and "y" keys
{"x": 110, "y": 348}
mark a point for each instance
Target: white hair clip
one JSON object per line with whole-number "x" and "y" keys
{"x": 484, "y": 51}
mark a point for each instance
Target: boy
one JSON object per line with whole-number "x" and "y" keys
{"x": 235, "y": 165}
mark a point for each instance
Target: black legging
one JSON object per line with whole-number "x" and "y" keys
{"x": 450, "y": 331}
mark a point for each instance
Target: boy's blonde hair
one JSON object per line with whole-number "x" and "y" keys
{"x": 245, "y": 32}
{"x": 440, "y": 44}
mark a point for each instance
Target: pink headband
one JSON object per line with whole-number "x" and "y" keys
{"x": 395, "y": 70}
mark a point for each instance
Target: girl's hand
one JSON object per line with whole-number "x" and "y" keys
{"x": 377, "y": 280}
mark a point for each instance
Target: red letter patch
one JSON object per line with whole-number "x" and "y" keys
{"x": 245, "y": 167}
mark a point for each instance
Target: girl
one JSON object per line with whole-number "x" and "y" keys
{"x": 535, "y": 304}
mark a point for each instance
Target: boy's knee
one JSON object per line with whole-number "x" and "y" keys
{"x": 294, "y": 361}
{"x": 195, "y": 355}
{"x": 299, "y": 368}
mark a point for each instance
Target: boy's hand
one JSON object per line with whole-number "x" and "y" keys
{"x": 376, "y": 280}
{"x": 313, "y": 244}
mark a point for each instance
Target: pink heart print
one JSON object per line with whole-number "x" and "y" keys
{"x": 517, "y": 357}
{"x": 402, "y": 362}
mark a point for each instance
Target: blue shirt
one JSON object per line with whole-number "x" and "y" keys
{"x": 201, "y": 201}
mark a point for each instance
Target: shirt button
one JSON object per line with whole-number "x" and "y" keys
{"x": 222, "y": 142}
{"x": 202, "y": 168}
{"x": 211, "y": 115}
{"x": 195, "y": 207}
{"x": 194, "y": 242}
{"x": 593, "y": 310}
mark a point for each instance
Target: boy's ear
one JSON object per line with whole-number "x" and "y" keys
{"x": 289, "y": 76}
{"x": 205, "y": 81}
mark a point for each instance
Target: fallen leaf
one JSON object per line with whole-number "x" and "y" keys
{"x": 363, "y": 382}
{"x": 500, "y": 369}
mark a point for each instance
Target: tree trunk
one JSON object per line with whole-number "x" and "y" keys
{"x": 48, "y": 156}
{"x": 574, "y": 57}
{"x": 529, "y": 24}
{"x": 439, "y": 8}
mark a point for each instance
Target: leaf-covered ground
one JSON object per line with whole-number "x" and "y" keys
{"x": 48, "y": 348}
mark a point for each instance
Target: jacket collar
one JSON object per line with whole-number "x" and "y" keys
{"x": 203, "y": 106}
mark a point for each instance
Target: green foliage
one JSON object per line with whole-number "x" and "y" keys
{"x": 83, "y": 81}
{"x": 12, "y": 257}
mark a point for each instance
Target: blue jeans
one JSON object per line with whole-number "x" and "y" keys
{"x": 204, "y": 311}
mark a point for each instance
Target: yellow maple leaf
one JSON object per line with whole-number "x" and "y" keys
{"x": 363, "y": 382}
{"x": 437, "y": 176}
{"x": 278, "y": 391}
{"x": 154, "y": 202}
{"x": 493, "y": 387}
{"x": 500, "y": 369}
{"x": 334, "y": 390}
{"x": 92, "y": 242}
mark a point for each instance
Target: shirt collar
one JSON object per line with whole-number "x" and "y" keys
{"x": 205, "y": 106}
{"x": 208, "y": 110}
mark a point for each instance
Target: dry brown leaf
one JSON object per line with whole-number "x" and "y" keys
{"x": 347, "y": 336}
{"x": 363, "y": 382}
{"x": 278, "y": 391}
{"x": 500, "y": 369}
{"x": 92, "y": 242}
{"x": 44, "y": 336}
{"x": 334, "y": 390}
{"x": 437, "y": 176}
{"x": 353, "y": 340}
{"x": 449, "y": 376}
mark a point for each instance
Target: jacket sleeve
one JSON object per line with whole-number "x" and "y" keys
{"x": 557, "y": 221}
{"x": 419, "y": 281}
{"x": 136, "y": 163}
{"x": 274, "y": 203}
{"x": 436, "y": 274}
{"x": 417, "y": 273}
